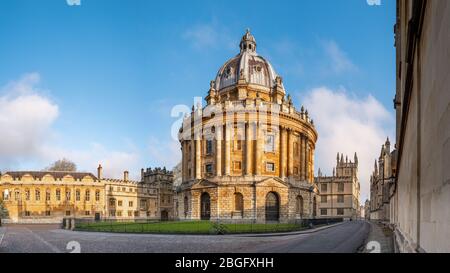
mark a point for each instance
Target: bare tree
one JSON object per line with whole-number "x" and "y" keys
{"x": 64, "y": 165}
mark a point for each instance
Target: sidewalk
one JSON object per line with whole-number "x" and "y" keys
{"x": 380, "y": 239}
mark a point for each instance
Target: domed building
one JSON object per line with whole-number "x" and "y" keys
{"x": 248, "y": 154}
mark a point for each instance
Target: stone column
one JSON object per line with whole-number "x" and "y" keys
{"x": 283, "y": 157}
{"x": 227, "y": 149}
{"x": 198, "y": 159}
{"x": 219, "y": 151}
{"x": 258, "y": 148}
{"x": 307, "y": 159}
{"x": 290, "y": 155}
{"x": 192, "y": 155}
{"x": 248, "y": 155}
{"x": 302, "y": 157}
{"x": 312, "y": 163}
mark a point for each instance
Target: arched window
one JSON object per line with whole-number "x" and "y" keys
{"x": 300, "y": 205}
{"x": 58, "y": 195}
{"x": 87, "y": 195}
{"x": 238, "y": 202}
{"x": 37, "y": 194}
{"x": 77, "y": 195}
{"x": 68, "y": 195}
{"x": 97, "y": 195}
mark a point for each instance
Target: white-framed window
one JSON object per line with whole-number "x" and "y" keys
{"x": 270, "y": 167}
{"x": 37, "y": 194}
{"x": 58, "y": 195}
{"x": 269, "y": 143}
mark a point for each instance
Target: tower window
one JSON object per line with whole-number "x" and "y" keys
{"x": 237, "y": 165}
{"x": 270, "y": 143}
{"x": 209, "y": 168}
{"x": 209, "y": 147}
{"x": 270, "y": 167}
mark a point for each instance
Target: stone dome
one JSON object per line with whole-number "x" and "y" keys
{"x": 247, "y": 66}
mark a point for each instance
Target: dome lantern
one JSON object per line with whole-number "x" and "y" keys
{"x": 248, "y": 42}
{"x": 248, "y": 68}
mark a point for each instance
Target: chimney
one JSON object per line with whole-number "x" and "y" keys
{"x": 142, "y": 174}
{"x": 125, "y": 175}
{"x": 99, "y": 171}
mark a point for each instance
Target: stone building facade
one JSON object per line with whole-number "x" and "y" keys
{"x": 161, "y": 181}
{"x": 382, "y": 183}
{"x": 421, "y": 193}
{"x": 248, "y": 154}
{"x": 50, "y": 196}
{"x": 339, "y": 194}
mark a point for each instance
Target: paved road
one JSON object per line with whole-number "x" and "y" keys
{"x": 346, "y": 237}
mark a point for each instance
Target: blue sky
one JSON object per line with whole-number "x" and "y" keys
{"x": 114, "y": 69}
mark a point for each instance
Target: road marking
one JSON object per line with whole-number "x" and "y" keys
{"x": 52, "y": 247}
{"x": 1, "y": 239}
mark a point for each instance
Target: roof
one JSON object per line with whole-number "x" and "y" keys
{"x": 55, "y": 174}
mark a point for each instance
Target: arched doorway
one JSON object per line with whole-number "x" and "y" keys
{"x": 164, "y": 215}
{"x": 205, "y": 207}
{"x": 272, "y": 207}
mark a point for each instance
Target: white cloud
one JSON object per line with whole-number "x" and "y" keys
{"x": 347, "y": 125}
{"x": 209, "y": 36}
{"x": 25, "y": 118}
{"x": 114, "y": 162}
{"x": 339, "y": 62}
{"x": 28, "y": 137}
{"x": 164, "y": 153}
